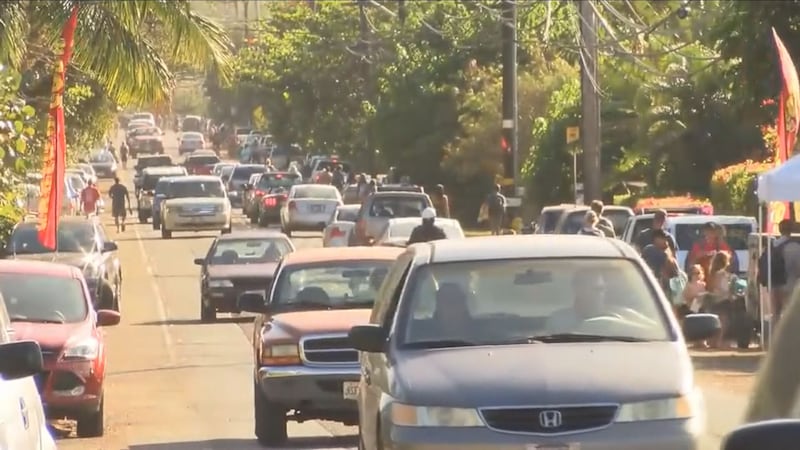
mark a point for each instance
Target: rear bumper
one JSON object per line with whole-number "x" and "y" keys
{"x": 315, "y": 222}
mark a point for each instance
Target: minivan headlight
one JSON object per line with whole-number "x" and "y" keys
{"x": 681, "y": 407}
{"x": 434, "y": 416}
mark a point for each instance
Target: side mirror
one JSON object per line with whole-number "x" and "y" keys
{"x": 109, "y": 246}
{"x": 252, "y": 302}
{"x": 781, "y": 434}
{"x": 20, "y": 359}
{"x": 199, "y": 261}
{"x": 698, "y": 327}
{"x": 107, "y": 318}
{"x": 368, "y": 338}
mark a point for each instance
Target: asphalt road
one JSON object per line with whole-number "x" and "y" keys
{"x": 174, "y": 383}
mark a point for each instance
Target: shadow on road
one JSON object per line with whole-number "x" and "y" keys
{"x": 242, "y": 319}
{"x": 745, "y": 362}
{"x": 115, "y": 373}
{"x": 317, "y": 442}
{"x": 159, "y": 238}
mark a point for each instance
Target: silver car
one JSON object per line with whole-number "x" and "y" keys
{"x": 337, "y": 233}
{"x": 527, "y": 342}
{"x": 309, "y": 207}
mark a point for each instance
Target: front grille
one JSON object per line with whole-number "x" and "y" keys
{"x": 65, "y": 381}
{"x": 550, "y": 420}
{"x": 41, "y": 380}
{"x": 329, "y": 350}
{"x": 250, "y": 284}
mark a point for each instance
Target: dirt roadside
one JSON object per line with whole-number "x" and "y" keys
{"x": 729, "y": 370}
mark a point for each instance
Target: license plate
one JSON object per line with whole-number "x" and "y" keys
{"x": 350, "y": 390}
{"x": 317, "y": 208}
{"x": 575, "y": 446}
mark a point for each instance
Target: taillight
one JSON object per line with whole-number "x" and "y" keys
{"x": 337, "y": 232}
{"x": 259, "y": 193}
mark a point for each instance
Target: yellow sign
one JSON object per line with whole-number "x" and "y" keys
{"x": 573, "y": 134}
{"x": 506, "y": 182}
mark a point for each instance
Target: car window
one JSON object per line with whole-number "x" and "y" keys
{"x": 321, "y": 192}
{"x": 210, "y": 189}
{"x": 203, "y": 160}
{"x": 397, "y": 207}
{"x": 549, "y": 219}
{"x": 339, "y": 284}
{"x": 404, "y": 229}
{"x": 162, "y": 186}
{"x": 5, "y": 323}
{"x": 507, "y": 301}
{"x": 43, "y": 298}
{"x": 274, "y": 180}
{"x": 347, "y": 214}
{"x": 640, "y": 225}
{"x": 735, "y": 234}
{"x": 73, "y": 237}
{"x": 391, "y": 283}
{"x": 330, "y": 166}
{"x": 155, "y": 161}
{"x": 573, "y": 222}
{"x": 249, "y": 251}
{"x": 103, "y": 157}
{"x": 142, "y": 116}
{"x": 244, "y": 172}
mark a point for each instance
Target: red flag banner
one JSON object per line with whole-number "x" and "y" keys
{"x": 788, "y": 116}
{"x": 52, "y": 185}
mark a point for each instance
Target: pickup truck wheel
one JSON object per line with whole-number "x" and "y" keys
{"x": 91, "y": 425}
{"x": 165, "y": 233}
{"x": 270, "y": 421}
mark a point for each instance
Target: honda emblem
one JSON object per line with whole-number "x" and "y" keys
{"x": 550, "y": 419}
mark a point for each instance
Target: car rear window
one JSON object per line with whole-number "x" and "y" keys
{"x": 397, "y": 206}
{"x": 497, "y": 302}
{"x": 203, "y": 160}
{"x": 274, "y": 180}
{"x": 331, "y": 164}
{"x": 154, "y": 161}
{"x": 347, "y": 214}
{"x": 244, "y": 172}
{"x": 548, "y": 220}
{"x": 321, "y": 191}
{"x": 736, "y": 235}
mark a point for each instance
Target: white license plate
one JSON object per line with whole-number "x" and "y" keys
{"x": 350, "y": 390}
{"x": 317, "y": 208}
{"x": 574, "y": 446}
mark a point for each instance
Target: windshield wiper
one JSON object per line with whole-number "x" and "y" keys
{"x": 577, "y": 337}
{"x": 445, "y": 343}
{"x": 27, "y": 319}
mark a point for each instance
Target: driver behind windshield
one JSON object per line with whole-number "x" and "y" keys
{"x": 589, "y": 302}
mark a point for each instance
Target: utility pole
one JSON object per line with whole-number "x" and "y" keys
{"x": 365, "y": 46}
{"x": 246, "y": 20}
{"x": 511, "y": 156}
{"x": 590, "y": 104}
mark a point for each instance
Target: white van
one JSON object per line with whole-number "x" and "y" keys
{"x": 687, "y": 229}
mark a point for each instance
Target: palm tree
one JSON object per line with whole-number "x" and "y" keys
{"x": 128, "y": 47}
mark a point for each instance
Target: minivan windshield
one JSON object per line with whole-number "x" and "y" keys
{"x": 501, "y": 302}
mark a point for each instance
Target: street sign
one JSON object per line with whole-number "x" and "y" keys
{"x": 573, "y": 134}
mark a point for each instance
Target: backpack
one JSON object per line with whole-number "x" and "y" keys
{"x": 778, "y": 274}
{"x": 496, "y": 206}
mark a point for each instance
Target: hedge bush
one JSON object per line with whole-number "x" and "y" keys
{"x": 733, "y": 188}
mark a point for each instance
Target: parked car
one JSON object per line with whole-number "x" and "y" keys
{"x": 550, "y": 216}
{"x": 398, "y": 231}
{"x": 236, "y": 263}
{"x": 50, "y": 303}
{"x": 82, "y": 243}
{"x": 195, "y": 203}
{"x": 147, "y": 191}
{"x": 378, "y": 208}
{"x": 309, "y": 207}
{"x": 337, "y": 233}
{"x": 23, "y": 424}
{"x": 460, "y": 329}
{"x": 306, "y": 368}
{"x": 200, "y": 162}
{"x": 572, "y": 220}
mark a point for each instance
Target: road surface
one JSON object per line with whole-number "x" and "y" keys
{"x": 174, "y": 383}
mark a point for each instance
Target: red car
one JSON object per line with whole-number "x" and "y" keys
{"x": 50, "y": 303}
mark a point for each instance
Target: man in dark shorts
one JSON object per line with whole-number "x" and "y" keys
{"x": 119, "y": 197}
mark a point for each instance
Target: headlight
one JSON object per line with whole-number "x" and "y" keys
{"x": 220, "y": 283}
{"x": 433, "y": 416}
{"x": 85, "y": 349}
{"x": 280, "y": 354}
{"x": 682, "y": 407}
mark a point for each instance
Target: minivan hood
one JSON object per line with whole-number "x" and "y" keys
{"x": 542, "y": 374}
{"x": 50, "y": 335}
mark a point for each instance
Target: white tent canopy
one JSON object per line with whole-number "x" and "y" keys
{"x": 781, "y": 184}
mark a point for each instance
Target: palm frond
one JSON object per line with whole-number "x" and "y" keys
{"x": 13, "y": 28}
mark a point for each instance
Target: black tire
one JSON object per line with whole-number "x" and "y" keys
{"x": 156, "y": 224}
{"x": 270, "y": 421}
{"x": 107, "y": 297}
{"x": 226, "y": 230}
{"x": 263, "y": 221}
{"x": 142, "y": 218}
{"x": 92, "y": 424}
{"x": 166, "y": 234}
{"x": 207, "y": 314}
{"x": 253, "y": 219}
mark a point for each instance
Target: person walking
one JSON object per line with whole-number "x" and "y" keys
{"x": 90, "y": 196}
{"x": 428, "y": 230}
{"x": 123, "y": 154}
{"x": 440, "y": 201}
{"x": 496, "y": 210}
{"x": 119, "y": 197}
{"x": 785, "y": 268}
{"x": 603, "y": 223}
{"x": 645, "y": 237}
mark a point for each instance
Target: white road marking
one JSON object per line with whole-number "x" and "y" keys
{"x": 160, "y": 308}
